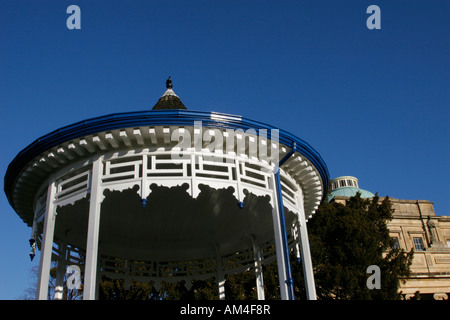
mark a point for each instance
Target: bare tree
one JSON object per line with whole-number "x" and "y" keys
{"x": 30, "y": 293}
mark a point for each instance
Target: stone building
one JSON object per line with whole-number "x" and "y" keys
{"x": 414, "y": 225}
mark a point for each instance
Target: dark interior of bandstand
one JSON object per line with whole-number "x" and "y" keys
{"x": 172, "y": 226}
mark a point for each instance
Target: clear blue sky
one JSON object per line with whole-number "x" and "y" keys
{"x": 373, "y": 103}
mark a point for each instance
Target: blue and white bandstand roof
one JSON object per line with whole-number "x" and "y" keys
{"x": 166, "y": 195}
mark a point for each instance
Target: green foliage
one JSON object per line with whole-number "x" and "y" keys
{"x": 115, "y": 289}
{"x": 203, "y": 290}
{"x": 241, "y": 286}
{"x": 345, "y": 240}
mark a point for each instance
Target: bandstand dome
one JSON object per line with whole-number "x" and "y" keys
{"x": 166, "y": 194}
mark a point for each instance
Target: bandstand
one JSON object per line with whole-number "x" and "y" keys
{"x": 167, "y": 194}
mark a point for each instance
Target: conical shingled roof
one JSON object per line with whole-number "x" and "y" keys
{"x": 169, "y": 99}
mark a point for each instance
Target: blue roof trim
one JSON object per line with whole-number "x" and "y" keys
{"x": 154, "y": 118}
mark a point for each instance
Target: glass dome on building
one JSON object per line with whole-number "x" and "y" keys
{"x": 347, "y": 186}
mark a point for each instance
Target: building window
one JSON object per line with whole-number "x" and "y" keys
{"x": 395, "y": 244}
{"x": 418, "y": 244}
{"x": 350, "y": 183}
{"x": 342, "y": 182}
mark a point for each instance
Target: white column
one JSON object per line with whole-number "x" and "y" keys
{"x": 282, "y": 276}
{"x": 90, "y": 272}
{"x": 258, "y": 271}
{"x": 305, "y": 252}
{"x": 47, "y": 245}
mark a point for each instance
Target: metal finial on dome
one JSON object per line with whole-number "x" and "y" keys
{"x": 169, "y": 99}
{"x": 169, "y": 83}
